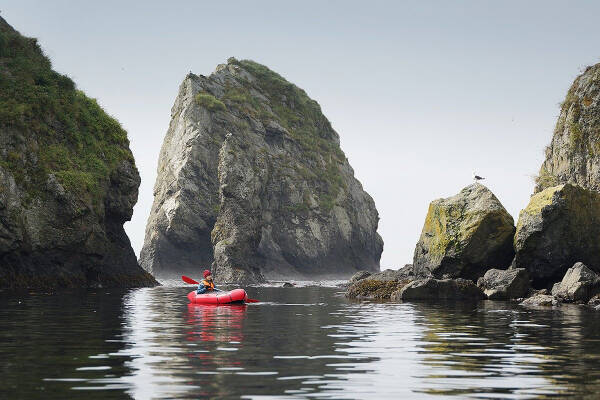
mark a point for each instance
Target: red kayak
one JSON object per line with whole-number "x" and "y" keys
{"x": 236, "y": 296}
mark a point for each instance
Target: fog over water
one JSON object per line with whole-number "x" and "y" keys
{"x": 421, "y": 93}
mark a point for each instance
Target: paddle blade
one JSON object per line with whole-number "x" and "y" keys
{"x": 252, "y": 301}
{"x": 188, "y": 280}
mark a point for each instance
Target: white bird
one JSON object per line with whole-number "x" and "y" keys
{"x": 477, "y": 178}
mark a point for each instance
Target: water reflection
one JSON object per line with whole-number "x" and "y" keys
{"x": 298, "y": 343}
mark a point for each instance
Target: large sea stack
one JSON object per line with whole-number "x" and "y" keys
{"x": 252, "y": 180}
{"x": 68, "y": 180}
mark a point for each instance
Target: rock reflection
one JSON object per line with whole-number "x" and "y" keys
{"x": 496, "y": 349}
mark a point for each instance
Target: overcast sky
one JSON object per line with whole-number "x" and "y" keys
{"x": 421, "y": 92}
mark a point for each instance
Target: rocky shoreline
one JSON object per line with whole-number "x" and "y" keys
{"x": 470, "y": 248}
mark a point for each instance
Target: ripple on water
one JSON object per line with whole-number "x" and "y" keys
{"x": 298, "y": 342}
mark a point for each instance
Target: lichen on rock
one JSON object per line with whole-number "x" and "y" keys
{"x": 573, "y": 155}
{"x": 252, "y": 180}
{"x": 559, "y": 227}
{"x": 464, "y": 235}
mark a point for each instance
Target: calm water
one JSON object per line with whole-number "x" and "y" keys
{"x": 299, "y": 343}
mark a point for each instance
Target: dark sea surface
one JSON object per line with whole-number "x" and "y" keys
{"x": 302, "y": 342}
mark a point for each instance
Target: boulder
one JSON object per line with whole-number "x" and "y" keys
{"x": 540, "y": 300}
{"x": 359, "y": 275}
{"x": 573, "y": 155}
{"x": 594, "y": 301}
{"x": 438, "y": 289}
{"x": 507, "y": 284}
{"x": 404, "y": 273}
{"x": 559, "y": 227}
{"x": 464, "y": 235}
{"x": 579, "y": 284}
{"x": 287, "y": 285}
{"x": 380, "y": 285}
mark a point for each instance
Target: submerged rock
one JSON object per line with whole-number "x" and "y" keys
{"x": 507, "y": 284}
{"x": 68, "y": 180}
{"x": 559, "y": 227}
{"x": 465, "y": 235}
{"x": 252, "y": 179}
{"x": 573, "y": 155}
{"x": 439, "y": 289}
{"x": 579, "y": 284}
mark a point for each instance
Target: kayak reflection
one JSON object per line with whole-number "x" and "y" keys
{"x": 219, "y": 324}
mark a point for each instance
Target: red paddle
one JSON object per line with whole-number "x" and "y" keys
{"x": 193, "y": 282}
{"x": 189, "y": 280}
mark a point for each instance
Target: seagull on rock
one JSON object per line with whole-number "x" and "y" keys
{"x": 477, "y": 178}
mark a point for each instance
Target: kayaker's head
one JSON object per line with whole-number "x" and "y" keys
{"x": 207, "y": 275}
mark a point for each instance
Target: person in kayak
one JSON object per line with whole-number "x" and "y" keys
{"x": 207, "y": 285}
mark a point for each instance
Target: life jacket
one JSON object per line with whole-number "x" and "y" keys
{"x": 209, "y": 285}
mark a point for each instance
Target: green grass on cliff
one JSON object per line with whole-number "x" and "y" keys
{"x": 50, "y": 127}
{"x": 210, "y": 102}
{"x": 302, "y": 117}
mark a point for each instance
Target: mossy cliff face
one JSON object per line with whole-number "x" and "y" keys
{"x": 252, "y": 179}
{"x": 464, "y": 235}
{"x": 559, "y": 227}
{"x": 68, "y": 181}
{"x": 573, "y": 155}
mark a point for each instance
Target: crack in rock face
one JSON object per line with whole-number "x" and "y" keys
{"x": 252, "y": 181}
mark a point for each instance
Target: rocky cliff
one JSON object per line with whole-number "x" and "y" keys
{"x": 252, "y": 180}
{"x": 68, "y": 180}
{"x": 573, "y": 155}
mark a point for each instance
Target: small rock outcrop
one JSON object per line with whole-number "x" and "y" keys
{"x": 579, "y": 284}
{"x": 68, "y": 180}
{"x": 559, "y": 227}
{"x": 359, "y": 276}
{"x": 507, "y": 284}
{"x": 438, "y": 289}
{"x": 573, "y": 155}
{"x": 465, "y": 235}
{"x": 540, "y": 300}
{"x": 372, "y": 289}
{"x": 380, "y": 285}
{"x": 251, "y": 178}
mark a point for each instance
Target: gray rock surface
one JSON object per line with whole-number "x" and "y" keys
{"x": 573, "y": 155}
{"x": 251, "y": 178}
{"x": 559, "y": 227}
{"x": 438, "y": 289}
{"x": 68, "y": 180}
{"x": 401, "y": 274}
{"x": 359, "y": 275}
{"x": 578, "y": 285}
{"x": 507, "y": 284}
{"x": 465, "y": 235}
{"x": 540, "y": 300}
